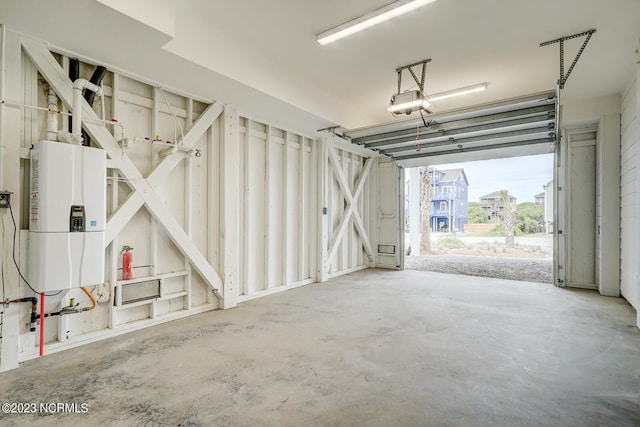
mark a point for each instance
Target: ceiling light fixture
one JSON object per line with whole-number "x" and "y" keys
{"x": 457, "y": 92}
{"x": 408, "y": 102}
{"x": 370, "y": 19}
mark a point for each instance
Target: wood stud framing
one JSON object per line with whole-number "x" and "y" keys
{"x": 231, "y": 142}
{"x": 269, "y": 203}
{"x": 144, "y": 189}
{"x": 285, "y": 223}
{"x": 294, "y": 237}
{"x": 352, "y": 211}
{"x": 341, "y": 245}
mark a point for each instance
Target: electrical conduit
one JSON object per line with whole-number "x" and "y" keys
{"x": 42, "y": 315}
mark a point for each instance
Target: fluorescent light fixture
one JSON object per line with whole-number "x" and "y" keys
{"x": 407, "y": 102}
{"x": 370, "y": 19}
{"x": 457, "y": 92}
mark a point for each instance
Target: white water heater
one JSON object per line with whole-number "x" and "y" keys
{"x": 67, "y": 216}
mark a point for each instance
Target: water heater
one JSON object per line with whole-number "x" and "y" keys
{"x": 67, "y": 216}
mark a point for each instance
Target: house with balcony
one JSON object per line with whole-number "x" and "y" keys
{"x": 449, "y": 200}
{"x": 493, "y": 204}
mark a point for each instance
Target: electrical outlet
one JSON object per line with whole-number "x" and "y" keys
{"x": 4, "y": 199}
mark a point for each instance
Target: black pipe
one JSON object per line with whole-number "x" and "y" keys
{"x": 32, "y": 300}
{"x": 89, "y": 96}
{"x": 96, "y": 79}
{"x": 34, "y": 312}
{"x": 34, "y": 318}
{"x": 53, "y": 313}
{"x": 74, "y": 74}
{"x": 34, "y": 309}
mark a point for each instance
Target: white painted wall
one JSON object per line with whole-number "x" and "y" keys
{"x": 10, "y": 180}
{"x": 246, "y": 205}
{"x": 630, "y": 184}
{"x": 277, "y": 183}
{"x": 604, "y": 112}
{"x": 347, "y": 214}
{"x": 414, "y": 210}
{"x": 350, "y": 254}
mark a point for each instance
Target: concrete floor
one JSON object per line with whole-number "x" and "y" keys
{"x": 374, "y": 348}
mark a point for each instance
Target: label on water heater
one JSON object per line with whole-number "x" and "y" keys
{"x": 35, "y": 190}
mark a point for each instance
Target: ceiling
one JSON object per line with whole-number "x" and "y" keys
{"x": 261, "y": 56}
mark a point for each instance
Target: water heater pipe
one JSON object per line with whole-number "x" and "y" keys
{"x": 74, "y": 74}
{"x": 93, "y": 300}
{"x": 76, "y": 119}
{"x": 52, "y": 118}
{"x": 96, "y": 79}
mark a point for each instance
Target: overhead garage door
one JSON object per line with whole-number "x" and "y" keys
{"x": 517, "y": 127}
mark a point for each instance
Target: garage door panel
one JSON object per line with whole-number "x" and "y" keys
{"x": 475, "y": 133}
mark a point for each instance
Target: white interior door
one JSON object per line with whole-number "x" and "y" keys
{"x": 389, "y": 215}
{"x": 581, "y": 210}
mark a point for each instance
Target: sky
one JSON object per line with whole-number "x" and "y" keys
{"x": 523, "y": 177}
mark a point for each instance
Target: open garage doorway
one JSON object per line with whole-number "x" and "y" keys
{"x": 515, "y": 128}
{"x": 523, "y": 127}
{"x": 490, "y": 218}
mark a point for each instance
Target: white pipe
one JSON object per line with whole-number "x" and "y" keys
{"x": 104, "y": 118}
{"x": 33, "y": 107}
{"x": 76, "y": 119}
{"x": 52, "y": 119}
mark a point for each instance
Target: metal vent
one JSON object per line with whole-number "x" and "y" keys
{"x": 140, "y": 291}
{"x": 387, "y": 249}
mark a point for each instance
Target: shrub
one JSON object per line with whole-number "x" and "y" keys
{"x": 530, "y": 218}
{"x": 450, "y": 242}
{"x": 499, "y": 231}
{"x": 476, "y": 214}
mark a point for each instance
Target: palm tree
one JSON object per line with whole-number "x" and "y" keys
{"x": 508, "y": 219}
{"x": 425, "y": 204}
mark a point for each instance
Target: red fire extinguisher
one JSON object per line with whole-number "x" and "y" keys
{"x": 127, "y": 260}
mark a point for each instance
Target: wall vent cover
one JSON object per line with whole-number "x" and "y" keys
{"x": 141, "y": 291}
{"x": 387, "y": 249}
